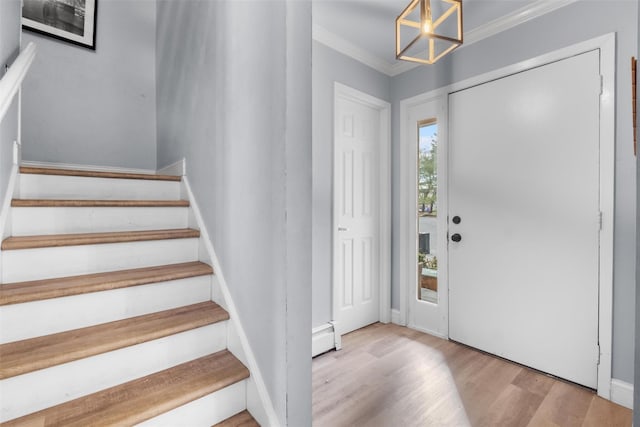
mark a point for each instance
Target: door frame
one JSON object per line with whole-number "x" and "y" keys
{"x": 607, "y": 46}
{"x": 438, "y": 313}
{"x": 344, "y": 92}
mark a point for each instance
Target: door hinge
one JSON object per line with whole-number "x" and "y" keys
{"x": 601, "y": 84}
{"x": 598, "y": 358}
{"x": 600, "y": 220}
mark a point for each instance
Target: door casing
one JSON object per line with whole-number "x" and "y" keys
{"x": 421, "y": 315}
{"x": 607, "y": 45}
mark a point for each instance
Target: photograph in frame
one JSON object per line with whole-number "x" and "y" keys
{"x": 73, "y": 21}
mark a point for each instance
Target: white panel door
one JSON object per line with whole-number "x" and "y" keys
{"x": 524, "y": 182}
{"x": 356, "y": 170}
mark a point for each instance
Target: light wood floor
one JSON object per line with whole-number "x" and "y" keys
{"x": 387, "y": 375}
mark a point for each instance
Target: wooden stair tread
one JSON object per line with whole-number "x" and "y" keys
{"x": 144, "y": 398}
{"x": 243, "y": 419}
{"x": 20, "y": 292}
{"x": 55, "y": 203}
{"x": 55, "y": 240}
{"x": 29, "y": 355}
{"x": 97, "y": 174}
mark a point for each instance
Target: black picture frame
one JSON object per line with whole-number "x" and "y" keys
{"x": 72, "y": 21}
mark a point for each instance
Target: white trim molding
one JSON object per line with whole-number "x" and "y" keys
{"x": 520, "y": 16}
{"x": 622, "y": 393}
{"x": 395, "y": 317}
{"x": 91, "y": 168}
{"x": 426, "y": 317}
{"x": 178, "y": 168}
{"x": 342, "y": 45}
{"x": 607, "y": 46}
{"x": 264, "y": 412}
{"x": 384, "y": 199}
{"x": 517, "y": 17}
{"x": 12, "y": 81}
{"x": 322, "y": 339}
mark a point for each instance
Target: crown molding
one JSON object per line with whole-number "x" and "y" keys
{"x": 491, "y": 28}
{"x": 513, "y": 19}
{"x": 342, "y": 45}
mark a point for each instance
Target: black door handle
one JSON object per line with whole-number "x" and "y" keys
{"x": 456, "y": 219}
{"x": 456, "y": 237}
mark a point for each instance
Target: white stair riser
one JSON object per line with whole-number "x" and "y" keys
{"x": 61, "y": 220}
{"x": 78, "y": 311}
{"x": 37, "y": 390}
{"x": 73, "y": 187}
{"x": 44, "y": 263}
{"x": 206, "y": 411}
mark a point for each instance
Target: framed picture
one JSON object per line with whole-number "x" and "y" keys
{"x": 73, "y": 21}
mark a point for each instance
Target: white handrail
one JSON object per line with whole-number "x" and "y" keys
{"x": 12, "y": 80}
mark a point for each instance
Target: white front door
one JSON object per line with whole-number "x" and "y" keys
{"x": 356, "y": 210}
{"x": 524, "y": 186}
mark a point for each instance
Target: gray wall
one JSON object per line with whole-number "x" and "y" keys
{"x": 542, "y": 35}
{"x": 9, "y": 49}
{"x": 330, "y": 66}
{"x": 237, "y": 105}
{"x": 95, "y": 108}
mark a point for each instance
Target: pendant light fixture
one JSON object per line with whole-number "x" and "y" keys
{"x": 427, "y": 30}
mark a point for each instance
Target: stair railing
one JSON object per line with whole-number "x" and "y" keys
{"x": 12, "y": 80}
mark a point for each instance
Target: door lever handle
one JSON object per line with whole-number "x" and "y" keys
{"x": 343, "y": 229}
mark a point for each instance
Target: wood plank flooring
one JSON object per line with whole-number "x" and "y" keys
{"x": 138, "y": 400}
{"x": 243, "y": 419}
{"x": 35, "y": 290}
{"x": 20, "y": 357}
{"x": 97, "y": 174}
{"x": 56, "y": 240}
{"x": 387, "y": 375}
{"x": 64, "y": 203}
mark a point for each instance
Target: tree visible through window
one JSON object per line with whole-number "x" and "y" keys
{"x": 427, "y": 211}
{"x": 428, "y": 168}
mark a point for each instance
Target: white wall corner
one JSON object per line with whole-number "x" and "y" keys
{"x": 178, "y": 168}
{"x": 622, "y": 393}
{"x": 322, "y": 339}
{"x": 395, "y": 317}
{"x": 258, "y": 400}
{"x": 254, "y": 403}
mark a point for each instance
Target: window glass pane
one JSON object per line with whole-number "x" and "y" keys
{"x": 427, "y": 212}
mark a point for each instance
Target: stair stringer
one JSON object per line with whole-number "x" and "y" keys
{"x": 12, "y": 190}
{"x": 258, "y": 400}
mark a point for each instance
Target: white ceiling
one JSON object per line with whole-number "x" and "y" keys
{"x": 369, "y": 25}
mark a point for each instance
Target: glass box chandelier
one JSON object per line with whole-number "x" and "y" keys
{"x": 428, "y": 29}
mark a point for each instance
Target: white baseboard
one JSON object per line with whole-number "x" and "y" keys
{"x": 322, "y": 339}
{"x": 395, "y": 317}
{"x": 178, "y": 168}
{"x": 95, "y": 168}
{"x": 266, "y": 414}
{"x": 622, "y": 393}
{"x": 427, "y": 331}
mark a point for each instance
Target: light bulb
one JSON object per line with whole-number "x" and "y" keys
{"x": 426, "y": 27}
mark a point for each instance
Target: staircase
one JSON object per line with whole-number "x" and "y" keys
{"x": 107, "y": 314}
